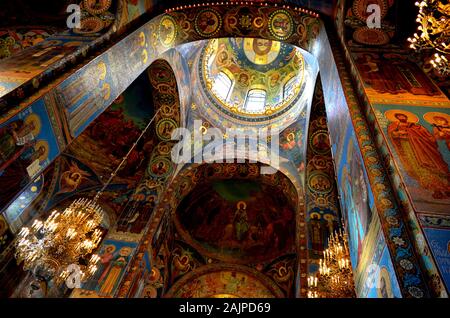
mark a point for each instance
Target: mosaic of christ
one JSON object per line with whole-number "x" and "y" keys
{"x": 237, "y": 220}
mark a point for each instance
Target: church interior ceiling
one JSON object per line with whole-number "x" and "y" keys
{"x": 191, "y": 250}
{"x": 253, "y": 235}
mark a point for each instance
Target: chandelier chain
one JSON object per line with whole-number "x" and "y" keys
{"x": 125, "y": 158}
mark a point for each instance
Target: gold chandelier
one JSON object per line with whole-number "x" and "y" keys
{"x": 49, "y": 248}
{"x": 335, "y": 277}
{"x": 434, "y": 33}
{"x": 65, "y": 238}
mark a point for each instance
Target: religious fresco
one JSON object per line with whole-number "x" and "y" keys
{"x": 243, "y": 221}
{"x": 5, "y": 234}
{"x": 362, "y": 222}
{"x": 184, "y": 259}
{"x": 142, "y": 287}
{"x": 418, "y": 140}
{"x": 14, "y": 213}
{"x": 49, "y": 55}
{"x": 161, "y": 236}
{"x": 214, "y": 281}
{"x": 34, "y": 65}
{"x": 75, "y": 176}
{"x": 159, "y": 278}
{"x": 30, "y": 203}
{"x": 132, "y": 10}
{"x": 69, "y": 178}
{"x": 282, "y": 271}
{"x": 351, "y": 24}
{"x": 106, "y": 141}
{"x": 188, "y": 254}
{"x": 87, "y": 162}
{"x": 163, "y": 170}
{"x": 408, "y": 90}
{"x": 292, "y": 145}
{"x": 407, "y": 84}
{"x": 27, "y": 145}
{"x": 98, "y": 16}
{"x": 348, "y": 111}
{"x": 54, "y": 48}
{"x": 255, "y": 70}
{"x": 285, "y": 87}
{"x": 154, "y": 41}
{"x": 143, "y": 178}
{"x": 376, "y": 277}
{"x": 115, "y": 257}
{"x": 333, "y": 94}
{"x": 392, "y": 78}
{"x": 135, "y": 215}
{"x": 15, "y": 40}
{"x": 147, "y": 276}
{"x": 180, "y": 67}
{"x": 437, "y": 233}
{"x": 148, "y": 280}
{"x": 63, "y": 181}
{"x": 356, "y": 197}
{"x": 322, "y": 205}
{"x": 107, "y": 88}
{"x": 85, "y": 165}
{"x": 359, "y": 211}
{"x": 159, "y": 169}
{"x": 80, "y": 96}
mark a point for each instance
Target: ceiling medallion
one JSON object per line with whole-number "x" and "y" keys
{"x": 90, "y": 25}
{"x": 96, "y": 6}
{"x": 160, "y": 167}
{"x": 258, "y": 22}
{"x": 245, "y": 21}
{"x": 208, "y": 22}
{"x": 281, "y": 25}
{"x": 165, "y": 127}
{"x": 320, "y": 182}
{"x": 370, "y": 36}
{"x": 167, "y": 31}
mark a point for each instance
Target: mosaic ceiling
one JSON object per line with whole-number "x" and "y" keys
{"x": 234, "y": 69}
{"x": 239, "y": 221}
{"x": 225, "y": 72}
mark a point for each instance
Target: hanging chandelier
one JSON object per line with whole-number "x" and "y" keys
{"x": 335, "y": 277}
{"x": 433, "y": 33}
{"x": 49, "y": 248}
{"x": 67, "y": 237}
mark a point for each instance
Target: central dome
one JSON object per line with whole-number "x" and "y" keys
{"x": 252, "y": 77}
